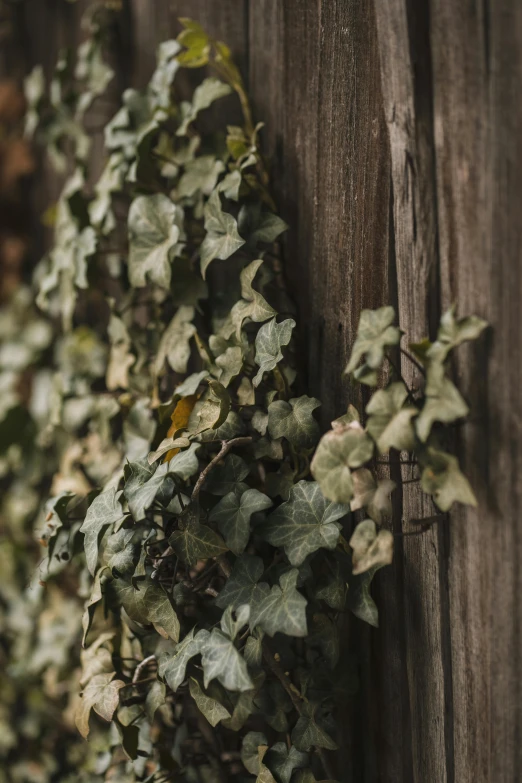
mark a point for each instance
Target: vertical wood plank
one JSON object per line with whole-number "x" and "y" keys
{"x": 478, "y": 122}
{"x": 314, "y": 80}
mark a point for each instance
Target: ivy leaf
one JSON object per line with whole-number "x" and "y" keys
{"x": 309, "y": 732}
{"x": 154, "y": 229}
{"x": 343, "y": 448}
{"x": 370, "y": 548}
{"x": 283, "y": 761}
{"x": 204, "y": 96}
{"x": 196, "y": 42}
{"x": 453, "y": 332}
{"x": 374, "y": 334}
{"x": 227, "y": 476}
{"x": 213, "y": 711}
{"x": 143, "y": 482}
{"x": 155, "y": 699}
{"x": 443, "y": 479}
{"x": 252, "y": 305}
{"x": 90, "y": 605}
{"x": 390, "y": 424}
{"x": 230, "y": 364}
{"x": 148, "y": 604}
{"x": 283, "y": 609}
{"x": 221, "y": 660}
{"x": 443, "y": 402}
{"x": 242, "y": 585}
{"x": 233, "y": 514}
{"x": 120, "y": 359}
{"x": 173, "y": 668}
{"x": 186, "y": 463}
{"x": 101, "y": 694}
{"x": 193, "y": 541}
{"x": 200, "y": 175}
{"x": 175, "y": 342}
{"x": 222, "y": 238}
{"x": 105, "y": 510}
{"x": 305, "y": 523}
{"x": 252, "y": 742}
{"x": 269, "y": 341}
{"x": 122, "y": 552}
{"x": 259, "y": 226}
{"x": 333, "y": 590}
{"x": 361, "y": 602}
{"x": 211, "y": 411}
{"x": 293, "y": 420}
{"x": 372, "y": 494}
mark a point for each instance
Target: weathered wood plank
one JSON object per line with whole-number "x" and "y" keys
{"x": 314, "y": 80}
{"x": 478, "y": 122}
{"x": 406, "y": 83}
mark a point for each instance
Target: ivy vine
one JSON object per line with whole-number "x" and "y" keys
{"x": 213, "y": 534}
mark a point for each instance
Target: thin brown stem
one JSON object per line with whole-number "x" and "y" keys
{"x": 225, "y": 448}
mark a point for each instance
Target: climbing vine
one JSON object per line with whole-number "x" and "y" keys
{"x": 190, "y": 501}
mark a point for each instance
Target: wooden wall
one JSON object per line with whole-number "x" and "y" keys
{"x": 394, "y": 131}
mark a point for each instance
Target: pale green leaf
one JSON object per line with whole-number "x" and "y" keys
{"x": 172, "y": 668}
{"x": 101, "y": 694}
{"x": 174, "y": 345}
{"x": 220, "y": 659}
{"x": 305, "y": 523}
{"x": 222, "y": 238}
{"x": 283, "y": 610}
{"x": 213, "y": 711}
{"x": 374, "y": 334}
{"x": 370, "y": 548}
{"x": 372, "y": 495}
{"x": 233, "y": 514}
{"x": 270, "y": 340}
{"x": 105, "y": 510}
{"x": 148, "y": 603}
{"x": 155, "y": 226}
{"x": 390, "y": 422}
{"x": 443, "y": 479}
{"x": 204, "y": 96}
{"x": 293, "y": 420}
{"x": 343, "y": 448}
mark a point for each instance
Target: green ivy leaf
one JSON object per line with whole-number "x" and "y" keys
{"x": 172, "y": 668}
{"x": 443, "y": 479}
{"x": 233, "y": 514}
{"x": 443, "y": 402}
{"x": 211, "y": 411}
{"x": 453, "y": 332}
{"x": 374, "y": 334}
{"x": 227, "y": 476}
{"x": 105, "y": 510}
{"x": 270, "y": 340}
{"x": 252, "y": 742}
{"x": 213, "y": 711}
{"x": 221, "y": 660}
{"x": 193, "y": 542}
{"x": 222, "y": 238}
{"x": 390, "y": 423}
{"x": 252, "y": 306}
{"x": 148, "y": 603}
{"x": 305, "y": 523}
{"x": 343, "y": 448}
{"x": 186, "y": 463}
{"x": 309, "y": 732}
{"x": 143, "y": 482}
{"x": 372, "y": 495}
{"x": 154, "y": 230}
{"x": 242, "y": 585}
{"x": 293, "y": 420}
{"x": 101, "y": 694}
{"x": 155, "y": 699}
{"x": 370, "y": 548}
{"x": 283, "y": 610}
{"x": 205, "y": 94}
{"x": 361, "y": 602}
{"x": 284, "y": 761}
{"x": 122, "y": 551}
{"x": 175, "y": 342}
{"x": 196, "y": 42}
{"x": 259, "y": 226}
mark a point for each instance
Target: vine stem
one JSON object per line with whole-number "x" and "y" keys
{"x": 297, "y": 700}
{"x": 226, "y": 445}
{"x": 413, "y": 360}
{"x": 142, "y": 665}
